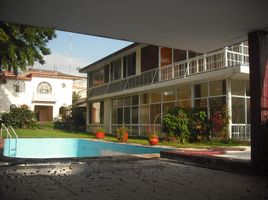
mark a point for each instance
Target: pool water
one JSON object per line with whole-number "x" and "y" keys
{"x": 64, "y": 148}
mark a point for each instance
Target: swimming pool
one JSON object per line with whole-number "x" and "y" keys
{"x": 67, "y": 148}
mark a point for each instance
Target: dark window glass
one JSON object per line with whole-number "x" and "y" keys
{"x": 127, "y": 115}
{"x": 179, "y": 55}
{"x": 120, "y": 116}
{"x": 106, "y": 73}
{"x": 116, "y": 70}
{"x": 129, "y": 67}
{"x": 135, "y": 112}
{"x": 90, "y": 79}
{"x": 149, "y": 58}
{"x": 135, "y": 100}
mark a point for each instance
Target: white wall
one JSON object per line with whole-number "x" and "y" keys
{"x": 63, "y": 95}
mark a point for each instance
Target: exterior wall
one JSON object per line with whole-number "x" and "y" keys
{"x": 223, "y": 65}
{"x": 62, "y": 95}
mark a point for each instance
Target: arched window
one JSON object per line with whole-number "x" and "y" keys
{"x": 44, "y": 88}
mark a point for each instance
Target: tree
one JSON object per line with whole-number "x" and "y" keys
{"x": 22, "y": 45}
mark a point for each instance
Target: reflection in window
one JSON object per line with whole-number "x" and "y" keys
{"x": 155, "y": 109}
{"x": 155, "y": 97}
{"x": 201, "y": 90}
{"x": 216, "y": 104}
{"x": 44, "y": 88}
{"x": 166, "y": 56}
{"x": 116, "y": 70}
{"x": 237, "y": 87}
{"x": 129, "y": 67}
{"x": 184, "y": 92}
{"x": 238, "y": 110}
{"x": 144, "y": 114}
{"x": 217, "y": 88}
{"x": 169, "y": 95}
{"x": 98, "y": 77}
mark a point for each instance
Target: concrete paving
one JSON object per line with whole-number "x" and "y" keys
{"x": 123, "y": 177}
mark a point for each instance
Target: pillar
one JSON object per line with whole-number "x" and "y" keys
{"x": 258, "y": 60}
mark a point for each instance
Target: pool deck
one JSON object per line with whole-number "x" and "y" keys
{"x": 125, "y": 177}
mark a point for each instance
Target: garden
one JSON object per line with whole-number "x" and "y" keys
{"x": 180, "y": 128}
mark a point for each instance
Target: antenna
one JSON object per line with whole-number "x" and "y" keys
{"x": 70, "y": 51}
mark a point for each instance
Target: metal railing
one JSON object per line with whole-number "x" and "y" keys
{"x": 241, "y": 132}
{"x": 227, "y": 57}
{"x": 9, "y": 137}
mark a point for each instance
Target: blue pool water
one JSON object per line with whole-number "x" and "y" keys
{"x": 64, "y": 148}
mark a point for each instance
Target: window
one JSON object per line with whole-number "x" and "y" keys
{"x": 237, "y": 87}
{"x": 179, "y": 55}
{"x": 98, "y": 77}
{"x": 116, "y": 70}
{"x": 166, "y": 56}
{"x": 184, "y": 92}
{"x": 44, "y": 88}
{"x": 19, "y": 86}
{"x": 217, "y": 88}
{"x": 149, "y": 58}
{"x": 129, "y": 67}
{"x": 201, "y": 90}
{"x": 155, "y": 97}
{"x": 238, "y": 110}
{"x": 169, "y": 95}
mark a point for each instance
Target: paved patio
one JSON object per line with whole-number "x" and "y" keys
{"x": 123, "y": 177}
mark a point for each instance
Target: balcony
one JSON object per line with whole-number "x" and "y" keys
{"x": 44, "y": 98}
{"x": 216, "y": 60}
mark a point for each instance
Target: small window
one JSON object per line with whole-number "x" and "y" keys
{"x": 19, "y": 86}
{"x": 44, "y": 88}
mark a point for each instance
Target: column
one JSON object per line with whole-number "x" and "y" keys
{"x": 258, "y": 60}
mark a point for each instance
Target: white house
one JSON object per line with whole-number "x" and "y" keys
{"x": 45, "y": 92}
{"x": 134, "y": 84}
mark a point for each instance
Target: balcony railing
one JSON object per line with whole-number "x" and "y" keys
{"x": 37, "y": 97}
{"x": 227, "y": 57}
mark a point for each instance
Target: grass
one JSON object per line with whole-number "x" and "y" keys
{"x": 54, "y": 133}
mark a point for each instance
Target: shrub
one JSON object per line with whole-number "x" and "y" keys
{"x": 199, "y": 125}
{"x": 20, "y": 117}
{"x": 219, "y": 121}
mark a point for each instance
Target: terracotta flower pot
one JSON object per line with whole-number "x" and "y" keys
{"x": 124, "y": 139}
{"x": 154, "y": 140}
{"x": 100, "y": 135}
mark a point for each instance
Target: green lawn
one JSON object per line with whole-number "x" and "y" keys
{"x": 53, "y": 133}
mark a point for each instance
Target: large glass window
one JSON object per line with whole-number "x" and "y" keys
{"x": 144, "y": 114}
{"x": 216, "y": 104}
{"x": 98, "y": 77}
{"x": 184, "y": 92}
{"x": 166, "y": 56}
{"x": 184, "y": 104}
{"x": 116, "y": 70}
{"x": 238, "y": 110}
{"x": 144, "y": 98}
{"x": 169, "y": 95}
{"x": 168, "y": 106}
{"x": 179, "y": 55}
{"x": 129, "y": 67}
{"x": 155, "y": 109}
{"x": 237, "y": 87}
{"x": 217, "y": 88}
{"x": 44, "y": 88}
{"x": 201, "y": 90}
{"x": 200, "y": 103}
{"x": 155, "y": 97}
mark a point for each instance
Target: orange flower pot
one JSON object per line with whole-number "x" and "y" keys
{"x": 100, "y": 135}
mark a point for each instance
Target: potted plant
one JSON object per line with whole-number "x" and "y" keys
{"x": 122, "y": 134}
{"x": 153, "y": 138}
{"x": 100, "y": 133}
{"x": 153, "y": 135}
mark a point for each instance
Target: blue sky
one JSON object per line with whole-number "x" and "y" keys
{"x": 85, "y": 49}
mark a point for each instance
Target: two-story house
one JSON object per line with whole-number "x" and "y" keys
{"x": 134, "y": 84}
{"x": 44, "y": 91}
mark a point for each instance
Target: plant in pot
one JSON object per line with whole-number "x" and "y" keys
{"x": 153, "y": 135}
{"x": 122, "y": 134}
{"x": 100, "y": 133}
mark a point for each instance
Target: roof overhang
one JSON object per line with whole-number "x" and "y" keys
{"x": 193, "y": 24}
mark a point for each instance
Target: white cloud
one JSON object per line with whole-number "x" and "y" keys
{"x": 62, "y": 63}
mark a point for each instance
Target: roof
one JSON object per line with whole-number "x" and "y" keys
{"x": 84, "y": 69}
{"x": 29, "y": 74}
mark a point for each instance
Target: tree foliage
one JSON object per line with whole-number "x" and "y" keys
{"x": 22, "y": 45}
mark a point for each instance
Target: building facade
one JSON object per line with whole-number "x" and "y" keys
{"x": 135, "y": 84}
{"x": 45, "y": 92}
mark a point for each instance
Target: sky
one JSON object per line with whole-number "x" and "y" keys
{"x": 70, "y": 51}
